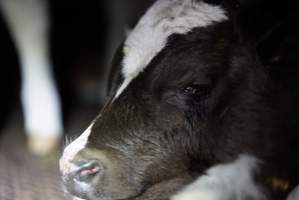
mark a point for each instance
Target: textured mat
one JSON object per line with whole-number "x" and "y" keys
{"x": 23, "y": 176}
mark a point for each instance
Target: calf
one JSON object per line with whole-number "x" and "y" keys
{"x": 189, "y": 102}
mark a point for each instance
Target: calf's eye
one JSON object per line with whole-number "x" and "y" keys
{"x": 194, "y": 90}
{"x": 188, "y": 96}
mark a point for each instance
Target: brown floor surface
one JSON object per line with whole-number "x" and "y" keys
{"x": 24, "y": 176}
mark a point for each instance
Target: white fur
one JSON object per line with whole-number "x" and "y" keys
{"x": 163, "y": 19}
{"x": 28, "y": 23}
{"x": 76, "y": 198}
{"x": 71, "y": 150}
{"x": 225, "y": 182}
{"x": 294, "y": 195}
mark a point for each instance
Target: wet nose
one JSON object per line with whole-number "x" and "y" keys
{"x": 79, "y": 182}
{"x": 84, "y": 173}
{"x": 88, "y": 170}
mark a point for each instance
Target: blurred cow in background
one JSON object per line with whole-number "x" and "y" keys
{"x": 28, "y": 22}
{"x": 38, "y": 46}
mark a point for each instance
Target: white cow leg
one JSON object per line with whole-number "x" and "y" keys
{"x": 28, "y": 22}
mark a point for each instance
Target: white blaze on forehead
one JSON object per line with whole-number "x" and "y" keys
{"x": 226, "y": 181}
{"x": 71, "y": 151}
{"x": 163, "y": 19}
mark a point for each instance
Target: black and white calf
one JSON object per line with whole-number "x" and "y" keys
{"x": 192, "y": 114}
{"x": 28, "y": 22}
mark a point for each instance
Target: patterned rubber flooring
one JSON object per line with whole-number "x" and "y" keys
{"x": 23, "y": 176}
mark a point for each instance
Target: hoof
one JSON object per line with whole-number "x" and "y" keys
{"x": 44, "y": 146}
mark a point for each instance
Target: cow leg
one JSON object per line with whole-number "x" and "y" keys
{"x": 28, "y": 22}
{"x": 225, "y": 182}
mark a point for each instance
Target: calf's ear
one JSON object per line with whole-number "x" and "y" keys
{"x": 280, "y": 44}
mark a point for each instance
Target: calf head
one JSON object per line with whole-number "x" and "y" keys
{"x": 177, "y": 83}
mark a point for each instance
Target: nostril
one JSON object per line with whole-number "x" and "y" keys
{"x": 92, "y": 170}
{"x": 87, "y": 171}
